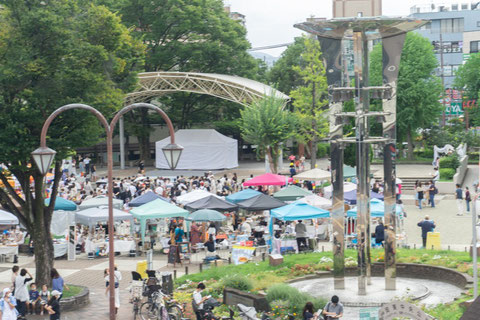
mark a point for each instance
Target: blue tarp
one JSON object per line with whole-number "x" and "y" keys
{"x": 351, "y": 196}
{"x": 62, "y": 204}
{"x": 377, "y": 209}
{"x": 146, "y": 198}
{"x": 298, "y": 211}
{"x": 242, "y": 195}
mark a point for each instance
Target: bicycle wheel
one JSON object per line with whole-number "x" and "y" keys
{"x": 136, "y": 309}
{"x": 175, "y": 312}
{"x": 149, "y": 311}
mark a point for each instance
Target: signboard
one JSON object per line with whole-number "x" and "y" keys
{"x": 401, "y": 309}
{"x": 368, "y": 314}
{"x": 454, "y": 108}
{"x": 241, "y": 254}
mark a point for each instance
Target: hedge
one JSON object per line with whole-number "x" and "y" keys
{"x": 447, "y": 173}
{"x": 451, "y": 162}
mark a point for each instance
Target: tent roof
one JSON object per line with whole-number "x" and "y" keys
{"x": 291, "y": 193}
{"x": 377, "y": 209}
{"x": 62, "y": 204}
{"x": 211, "y": 202}
{"x": 7, "y": 218}
{"x": 242, "y": 195}
{"x": 194, "y": 137}
{"x": 317, "y": 201}
{"x": 206, "y": 215}
{"x": 351, "y": 197}
{"x": 146, "y": 198}
{"x": 100, "y": 201}
{"x": 260, "y": 202}
{"x": 93, "y": 215}
{"x": 268, "y": 179}
{"x": 349, "y": 172}
{"x": 157, "y": 209}
{"x": 193, "y": 196}
{"x": 298, "y": 211}
{"x": 314, "y": 175}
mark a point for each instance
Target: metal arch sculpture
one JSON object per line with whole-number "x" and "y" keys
{"x": 236, "y": 89}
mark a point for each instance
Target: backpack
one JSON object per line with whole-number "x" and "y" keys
{"x": 435, "y": 191}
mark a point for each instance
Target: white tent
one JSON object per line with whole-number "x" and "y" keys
{"x": 317, "y": 201}
{"x": 90, "y": 217}
{"x": 7, "y": 218}
{"x": 347, "y": 187}
{"x": 61, "y": 220}
{"x": 193, "y": 196}
{"x": 100, "y": 201}
{"x": 203, "y": 149}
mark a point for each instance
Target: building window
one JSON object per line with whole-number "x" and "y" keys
{"x": 464, "y": 6}
{"x": 450, "y": 26}
{"x": 474, "y": 46}
{"x": 360, "y": 14}
{"x": 454, "y": 7}
{"x": 478, "y": 24}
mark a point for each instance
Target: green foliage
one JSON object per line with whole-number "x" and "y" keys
{"x": 450, "y": 161}
{"x": 267, "y": 124}
{"x": 295, "y": 299}
{"x": 350, "y": 155}
{"x": 447, "y": 173}
{"x": 323, "y": 150}
{"x": 418, "y": 90}
{"x": 467, "y": 77}
{"x": 239, "y": 282}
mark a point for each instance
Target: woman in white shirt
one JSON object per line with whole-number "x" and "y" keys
{"x": 212, "y": 231}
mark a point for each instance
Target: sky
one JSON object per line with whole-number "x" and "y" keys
{"x": 270, "y": 22}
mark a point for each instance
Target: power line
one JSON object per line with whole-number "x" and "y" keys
{"x": 271, "y": 47}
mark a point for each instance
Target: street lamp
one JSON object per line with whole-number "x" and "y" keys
{"x": 43, "y": 158}
{"x": 172, "y": 153}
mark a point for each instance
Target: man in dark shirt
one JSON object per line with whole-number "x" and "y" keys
{"x": 380, "y": 233}
{"x": 427, "y": 226}
{"x": 459, "y": 199}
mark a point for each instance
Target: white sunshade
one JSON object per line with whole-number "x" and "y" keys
{"x": 314, "y": 175}
{"x": 194, "y": 196}
{"x": 347, "y": 187}
{"x": 100, "y": 201}
{"x": 7, "y": 218}
{"x": 317, "y": 201}
{"x": 92, "y": 216}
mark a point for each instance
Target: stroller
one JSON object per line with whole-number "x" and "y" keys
{"x": 249, "y": 313}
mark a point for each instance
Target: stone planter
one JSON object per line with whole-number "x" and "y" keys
{"x": 76, "y": 302}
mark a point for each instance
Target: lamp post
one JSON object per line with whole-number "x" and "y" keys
{"x": 43, "y": 157}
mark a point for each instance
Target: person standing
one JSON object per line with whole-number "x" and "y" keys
{"x": 21, "y": 291}
{"x": 86, "y": 163}
{"x": 195, "y": 234}
{"x": 427, "y": 226}
{"x": 301, "y": 234}
{"x": 380, "y": 233}
{"x": 468, "y": 198}
{"x": 179, "y": 233}
{"x": 332, "y": 310}
{"x": 459, "y": 199}
{"x": 419, "y": 191}
{"x": 431, "y": 193}
{"x": 7, "y": 305}
{"x": 58, "y": 283}
{"x": 118, "y": 277}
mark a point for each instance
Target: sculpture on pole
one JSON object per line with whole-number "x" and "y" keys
{"x": 332, "y": 34}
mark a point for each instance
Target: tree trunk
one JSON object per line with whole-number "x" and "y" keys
{"x": 313, "y": 159}
{"x": 271, "y": 160}
{"x": 410, "y": 145}
{"x": 144, "y": 137}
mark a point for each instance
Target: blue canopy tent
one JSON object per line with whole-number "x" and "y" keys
{"x": 242, "y": 195}
{"x": 296, "y": 211}
{"x": 351, "y": 197}
{"x": 146, "y": 198}
{"x": 62, "y": 204}
{"x": 377, "y": 209}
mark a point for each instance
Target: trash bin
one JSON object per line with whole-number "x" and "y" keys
{"x": 167, "y": 282}
{"x": 142, "y": 268}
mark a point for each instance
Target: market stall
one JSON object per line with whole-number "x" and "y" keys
{"x": 63, "y": 216}
{"x": 314, "y": 175}
{"x": 193, "y": 196}
{"x": 317, "y": 201}
{"x": 90, "y": 217}
{"x": 146, "y": 198}
{"x": 260, "y": 202}
{"x": 268, "y": 179}
{"x": 291, "y": 193}
{"x": 157, "y": 209}
{"x": 211, "y": 202}
{"x": 349, "y": 189}
{"x": 242, "y": 195}
{"x": 100, "y": 201}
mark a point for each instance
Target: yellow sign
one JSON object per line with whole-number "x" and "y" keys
{"x": 433, "y": 239}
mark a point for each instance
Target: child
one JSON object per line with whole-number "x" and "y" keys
{"x": 44, "y": 298}
{"x": 53, "y": 306}
{"x": 34, "y": 298}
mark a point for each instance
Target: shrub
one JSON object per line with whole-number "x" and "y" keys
{"x": 427, "y": 153}
{"x": 451, "y": 162}
{"x": 239, "y": 282}
{"x": 447, "y": 173}
{"x": 296, "y": 299}
{"x": 323, "y": 150}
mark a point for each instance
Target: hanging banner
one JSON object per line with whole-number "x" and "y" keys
{"x": 241, "y": 254}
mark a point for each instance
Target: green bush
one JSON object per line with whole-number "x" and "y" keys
{"x": 323, "y": 150}
{"x": 427, "y": 153}
{"x": 447, "y": 173}
{"x": 239, "y": 282}
{"x": 296, "y": 299}
{"x": 451, "y": 162}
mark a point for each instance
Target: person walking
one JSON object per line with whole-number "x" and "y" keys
{"x": 468, "y": 198}
{"x": 427, "y": 226}
{"x": 432, "y": 190}
{"x": 416, "y": 193}
{"x": 459, "y": 199}
{"x": 7, "y": 305}
{"x": 21, "y": 291}
{"x": 301, "y": 235}
{"x": 419, "y": 191}
{"x": 333, "y": 309}
{"x": 118, "y": 277}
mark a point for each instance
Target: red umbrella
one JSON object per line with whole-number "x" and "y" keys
{"x": 268, "y": 179}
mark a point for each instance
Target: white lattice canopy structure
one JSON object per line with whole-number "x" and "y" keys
{"x": 240, "y": 90}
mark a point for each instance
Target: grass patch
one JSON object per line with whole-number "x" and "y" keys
{"x": 72, "y": 291}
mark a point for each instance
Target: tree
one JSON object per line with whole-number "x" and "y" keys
{"x": 267, "y": 124}
{"x": 310, "y": 98}
{"x": 53, "y": 53}
{"x": 282, "y": 74}
{"x": 468, "y": 81}
{"x": 195, "y": 35}
{"x": 418, "y": 89}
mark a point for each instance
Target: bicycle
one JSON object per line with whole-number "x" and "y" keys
{"x": 160, "y": 307}
{"x": 136, "y": 297}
